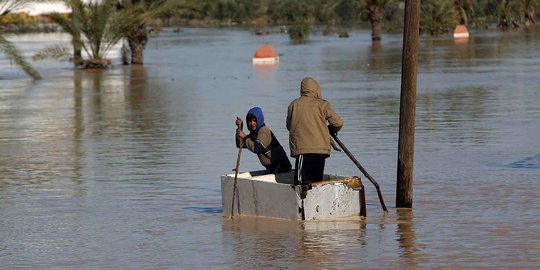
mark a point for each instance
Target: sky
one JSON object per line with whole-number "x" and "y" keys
{"x": 36, "y": 9}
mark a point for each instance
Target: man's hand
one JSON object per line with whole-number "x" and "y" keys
{"x": 239, "y": 123}
{"x": 332, "y": 129}
{"x": 240, "y": 134}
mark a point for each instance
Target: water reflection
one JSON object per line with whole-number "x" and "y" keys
{"x": 461, "y": 41}
{"x": 321, "y": 243}
{"x": 457, "y": 112}
{"x": 262, "y": 243}
{"x": 266, "y": 77}
{"x": 78, "y": 128}
{"x": 376, "y": 58}
{"x": 406, "y": 236}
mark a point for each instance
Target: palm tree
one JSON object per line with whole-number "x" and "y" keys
{"x": 506, "y": 12}
{"x": 530, "y": 7}
{"x": 96, "y": 27}
{"x": 143, "y": 11}
{"x": 465, "y": 9}
{"x": 437, "y": 16}
{"x": 375, "y": 10}
{"x": 8, "y": 48}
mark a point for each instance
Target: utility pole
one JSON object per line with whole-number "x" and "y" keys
{"x": 407, "y": 108}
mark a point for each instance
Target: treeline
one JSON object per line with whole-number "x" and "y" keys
{"x": 437, "y": 16}
{"x": 279, "y": 12}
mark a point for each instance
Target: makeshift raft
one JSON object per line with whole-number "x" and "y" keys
{"x": 275, "y": 196}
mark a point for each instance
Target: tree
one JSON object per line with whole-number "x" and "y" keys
{"x": 142, "y": 11}
{"x": 375, "y": 10}
{"x": 8, "y": 48}
{"x": 506, "y": 12}
{"x": 95, "y": 26}
{"x": 437, "y": 16}
{"x": 465, "y": 9}
{"x": 530, "y": 7}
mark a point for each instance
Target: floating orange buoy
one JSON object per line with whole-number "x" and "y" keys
{"x": 461, "y": 31}
{"x": 265, "y": 54}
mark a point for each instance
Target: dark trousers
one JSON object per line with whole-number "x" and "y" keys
{"x": 280, "y": 167}
{"x": 309, "y": 168}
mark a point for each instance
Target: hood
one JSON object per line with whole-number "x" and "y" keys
{"x": 257, "y": 112}
{"x": 310, "y": 88}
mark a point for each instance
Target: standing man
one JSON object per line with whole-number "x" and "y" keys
{"x": 309, "y": 120}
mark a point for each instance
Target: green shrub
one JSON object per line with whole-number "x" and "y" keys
{"x": 299, "y": 30}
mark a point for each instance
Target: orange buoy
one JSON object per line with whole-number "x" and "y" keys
{"x": 265, "y": 54}
{"x": 461, "y": 31}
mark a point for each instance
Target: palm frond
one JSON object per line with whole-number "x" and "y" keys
{"x": 99, "y": 25}
{"x": 69, "y": 26}
{"x": 54, "y": 51}
{"x": 15, "y": 56}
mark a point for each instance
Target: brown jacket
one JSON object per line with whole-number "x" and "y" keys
{"x": 307, "y": 121}
{"x": 268, "y": 149}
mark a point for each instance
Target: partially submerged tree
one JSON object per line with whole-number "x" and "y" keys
{"x": 529, "y": 10}
{"x": 98, "y": 27}
{"x": 465, "y": 9}
{"x": 142, "y": 11}
{"x": 7, "y": 47}
{"x": 437, "y": 17}
{"x": 505, "y": 12}
{"x": 375, "y": 10}
{"x": 299, "y": 30}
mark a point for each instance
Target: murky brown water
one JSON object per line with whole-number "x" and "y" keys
{"x": 120, "y": 168}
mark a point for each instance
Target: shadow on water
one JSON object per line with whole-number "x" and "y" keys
{"x": 205, "y": 210}
{"x": 532, "y": 162}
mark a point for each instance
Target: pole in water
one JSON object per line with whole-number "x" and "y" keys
{"x": 239, "y": 127}
{"x": 366, "y": 174}
{"x": 407, "y": 109}
{"x": 236, "y": 176}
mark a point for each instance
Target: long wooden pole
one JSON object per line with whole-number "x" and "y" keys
{"x": 407, "y": 110}
{"x": 236, "y": 176}
{"x": 239, "y": 127}
{"x": 361, "y": 168}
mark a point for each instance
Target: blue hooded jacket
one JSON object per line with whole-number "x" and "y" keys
{"x": 258, "y": 114}
{"x": 262, "y": 142}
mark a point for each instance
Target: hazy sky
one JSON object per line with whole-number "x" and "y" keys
{"x": 44, "y": 8}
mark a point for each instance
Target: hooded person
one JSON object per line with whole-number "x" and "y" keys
{"x": 309, "y": 120}
{"x": 262, "y": 141}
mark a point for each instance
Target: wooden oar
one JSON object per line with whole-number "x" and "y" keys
{"x": 239, "y": 127}
{"x": 236, "y": 176}
{"x": 334, "y": 135}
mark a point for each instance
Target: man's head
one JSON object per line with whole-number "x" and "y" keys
{"x": 254, "y": 119}
{"x": 310, "y": 88}
{"x": 251, "y": 121}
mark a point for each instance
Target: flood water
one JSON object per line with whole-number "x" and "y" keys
{"x": 120, "y": 168}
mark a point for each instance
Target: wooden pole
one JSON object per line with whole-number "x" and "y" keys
{"x": 407, "y": 110}
{"x": 236, "y": 177}
{"x": 366, "y": 174}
